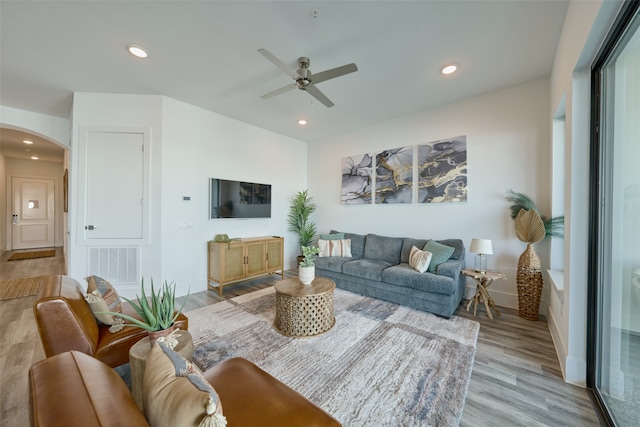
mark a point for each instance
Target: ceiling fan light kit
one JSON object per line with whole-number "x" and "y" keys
{"x": 304, "y": 79}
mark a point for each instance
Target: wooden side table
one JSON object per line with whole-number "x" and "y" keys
{"x": 304, "y": 310}
{"x": 138, "y": 354}
{"x": 483, "y": 281}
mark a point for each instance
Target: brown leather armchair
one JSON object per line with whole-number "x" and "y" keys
{"x": 72, "y": 389}
{"x": 65, "y": 322}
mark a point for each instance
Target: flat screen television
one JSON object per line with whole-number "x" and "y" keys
{"x": 238, "y": 199}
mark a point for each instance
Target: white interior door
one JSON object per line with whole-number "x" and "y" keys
{"x": 33, "y": 216}
{"x": 115, "y": 181}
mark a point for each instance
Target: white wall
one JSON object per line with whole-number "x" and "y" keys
{"x": 198, "y": 145}
{"x": 508, "y": 147}
{"x": 116, "y": 111}
{"x": 188, "y": 146}
{"x": 584, "y": 30}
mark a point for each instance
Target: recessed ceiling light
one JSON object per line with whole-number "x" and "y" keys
{"x": 26, "y": 141}
{"x": 137, "y": 51}
{"x": 449, "y": 69}
{"x": 302, "y": 122}
{"x": 34, "y": 157}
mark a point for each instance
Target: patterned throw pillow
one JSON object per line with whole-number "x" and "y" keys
{"x": 102, "y": 297}
{"x": 440, "y": 252}
{"x": 419, "y": 260}
{"x": 108, "y": 292}
{"x": 341, "y": 248}
{"x": 176, "y": 393}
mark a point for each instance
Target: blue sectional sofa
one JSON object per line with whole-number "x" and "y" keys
{"x": 379, "y": 268}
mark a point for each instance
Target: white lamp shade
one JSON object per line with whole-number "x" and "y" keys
{"x": 481, "y": 246}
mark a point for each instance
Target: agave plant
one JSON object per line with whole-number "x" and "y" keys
{"x": 157, "y": 312}
{"x": 553, "y": 226}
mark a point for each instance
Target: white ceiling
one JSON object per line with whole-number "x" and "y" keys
{"x": 204, "y": 53}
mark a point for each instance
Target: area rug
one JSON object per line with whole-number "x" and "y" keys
{"x": 32, "y": 255}
{"x": 19, "y": 288}
{"x": 381, "y": 364}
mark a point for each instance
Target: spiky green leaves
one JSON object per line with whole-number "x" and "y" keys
{"x": 553, "y": 227}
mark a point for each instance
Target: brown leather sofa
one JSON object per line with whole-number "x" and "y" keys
{"x": 72, "y": 389}
{"x": 65, "y": 322}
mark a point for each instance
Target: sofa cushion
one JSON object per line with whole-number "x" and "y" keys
{"x": 440, "y": 252}
{"x": 404, "y": 276}
{"x": 407, "y": 244}
{"x": 333, "y": 263}
{"x": 357, "y": 243}
{"x": 366, "y": 268}
{"x": 383, "y": 248}
{"x": 419, "y": 260}
{"x": 176, "y": 393}
{"x": 340, "y": 248}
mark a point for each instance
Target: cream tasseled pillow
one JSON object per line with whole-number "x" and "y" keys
{"x": 176, "y": 393}
{"x": 419, "y": 260}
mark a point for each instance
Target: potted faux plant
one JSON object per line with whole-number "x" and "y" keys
{"x": 531, "y": 227}
{"x": 307, "y": 269}
{"x": 302, "y": 206}
{"x": 157, "y": 313}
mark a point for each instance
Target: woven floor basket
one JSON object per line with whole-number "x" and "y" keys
{"x": 529, "y": 281}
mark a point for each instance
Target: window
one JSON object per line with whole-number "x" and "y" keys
{"x": 614, "y": 267}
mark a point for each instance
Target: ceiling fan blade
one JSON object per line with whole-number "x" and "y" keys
{"x": 334, "y": 72}
{"x": 279, "y": 91}
{"x": 278, "y": 63}
{"x": 315, "y": 92}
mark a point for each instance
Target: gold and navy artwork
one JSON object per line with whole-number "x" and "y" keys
{"x": 394, "y": 176}
{"x": 435, "y": 172}
{"x": 442, "y": 171}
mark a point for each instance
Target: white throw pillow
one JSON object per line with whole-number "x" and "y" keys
{"x": 341, "y": 248}
{"x": 419, "y": 260}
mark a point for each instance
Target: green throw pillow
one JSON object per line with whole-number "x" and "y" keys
{"x": 334, "y": 236}
{"x": 440, "y": 252}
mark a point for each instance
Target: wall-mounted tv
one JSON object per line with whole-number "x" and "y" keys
{"x": 238, "y": 199}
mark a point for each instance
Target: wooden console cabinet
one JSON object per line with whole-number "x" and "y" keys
{"x": 244, "y": 259}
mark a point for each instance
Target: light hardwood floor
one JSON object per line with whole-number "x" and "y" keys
{"x": 516, "y": 378}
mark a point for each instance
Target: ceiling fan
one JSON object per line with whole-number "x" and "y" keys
{"x": 303, "y": 78}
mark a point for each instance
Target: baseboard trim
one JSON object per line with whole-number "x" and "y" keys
{"x": 558, "y": 343}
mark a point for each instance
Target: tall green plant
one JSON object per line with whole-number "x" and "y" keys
{"x": 302, "y": 206}
{"x": 157, "y": 312}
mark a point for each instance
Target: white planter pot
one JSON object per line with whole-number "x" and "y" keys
{"x": 306, "y": 274}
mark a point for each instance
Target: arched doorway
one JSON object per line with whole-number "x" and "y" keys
{"x": 32, "y": 190}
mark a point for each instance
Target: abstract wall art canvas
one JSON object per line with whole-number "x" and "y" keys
{"x": 356, "y": 179}
{"x": 442, "y": 171}
{"x": 394, "y": 176}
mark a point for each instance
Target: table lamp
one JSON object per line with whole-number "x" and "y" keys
{"x": 481, "y": 247}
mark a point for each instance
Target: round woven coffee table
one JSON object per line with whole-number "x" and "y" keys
{"x": 304, "y": 310}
